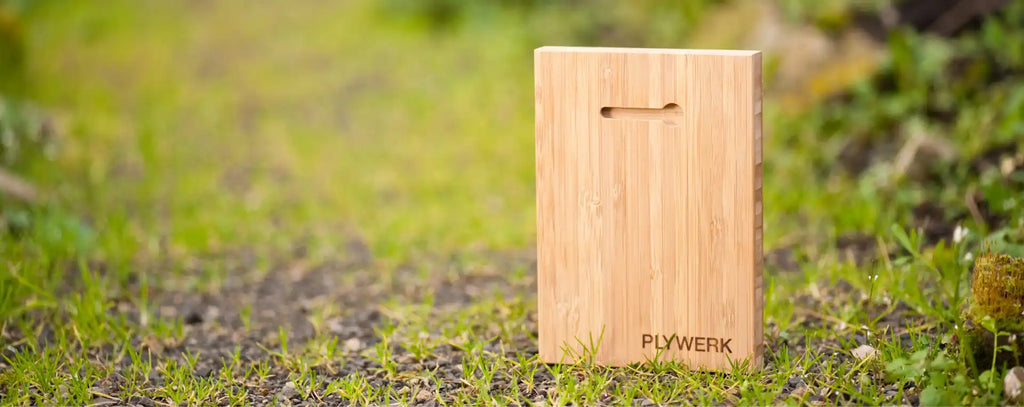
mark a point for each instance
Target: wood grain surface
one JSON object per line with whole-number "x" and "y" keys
{"x": 649, "y": 205}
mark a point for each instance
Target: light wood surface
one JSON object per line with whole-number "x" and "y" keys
{"x": 649, "y": 205}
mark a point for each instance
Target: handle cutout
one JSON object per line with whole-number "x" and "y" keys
{"x": 671, "y": 114}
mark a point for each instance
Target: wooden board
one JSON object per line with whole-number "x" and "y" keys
{"x": 649, "y": 205}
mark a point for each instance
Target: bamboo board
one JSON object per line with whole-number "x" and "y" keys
{"x": 649, "y": 206}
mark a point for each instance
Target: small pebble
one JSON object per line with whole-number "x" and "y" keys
{"x": 863, "y": 352}
{"x": 1013, "y": 383}
{"x": 203, "y": 370}
{"x": 424, "y": 395}
{"x": 288, "y": 391}
{"x": 353, "y": 345}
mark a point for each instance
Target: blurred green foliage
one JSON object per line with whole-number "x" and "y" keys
{"x": 204, "y": 128}
{"x": 941, "y": 83}
{"x": 964, "y": 91}
{"x": 967, "y": 92}
{"x": 25, "y": 134}
{"x": 655, "y": 23}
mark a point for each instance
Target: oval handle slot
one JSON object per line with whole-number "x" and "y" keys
{"x": 671, "y": 114}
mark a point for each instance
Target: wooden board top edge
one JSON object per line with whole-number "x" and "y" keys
{"x": 678, "y": 51}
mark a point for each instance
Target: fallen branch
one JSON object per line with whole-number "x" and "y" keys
{"x": 13, "y": 185}
{"x": 972, "y": 207}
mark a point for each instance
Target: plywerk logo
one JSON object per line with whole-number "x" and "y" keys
{"x": 687, "y": 343}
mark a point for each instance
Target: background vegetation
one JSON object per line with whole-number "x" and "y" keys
{"x": 201, "y": 165}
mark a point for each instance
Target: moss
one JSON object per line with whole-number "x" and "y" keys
{"x": 997, "y": 289}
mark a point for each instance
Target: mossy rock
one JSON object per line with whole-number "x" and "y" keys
{"x": 997, "y": 290}
{"x": 981, "y": 347}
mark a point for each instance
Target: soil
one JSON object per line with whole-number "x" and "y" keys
{"x": 284, "y": 297}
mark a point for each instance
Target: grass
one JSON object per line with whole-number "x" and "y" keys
{"x": 203, "y": 148}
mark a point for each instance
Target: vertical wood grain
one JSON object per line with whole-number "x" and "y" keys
{"x": 648, "y": 226}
